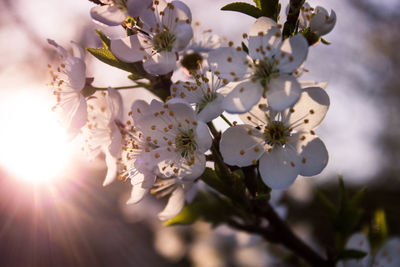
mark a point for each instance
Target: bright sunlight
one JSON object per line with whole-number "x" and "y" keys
{"x": 34, "y": 146}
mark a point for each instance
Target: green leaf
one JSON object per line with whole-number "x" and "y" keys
{"x": 107, "y": 57}
{"x": 329, "y": 206}
{"x": 104, "y": 39}
{"x": 270, "y": 8}
{"x": 244, "y": 8}
{"x": 258, "y": 3}
{"x": 351, "y": 254}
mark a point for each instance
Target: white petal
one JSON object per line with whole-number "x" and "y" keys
{"x": 264, "y": 25}
{"x": 127, "y": 49}
{"x": 262, "y": 47}
{"x": 175, "y": 204}
{"x": 138, "y": 109}
{"x": 230, "y": 63}
{"x": 280, "y": 167}
{"x": 241, "y": 145}
{"x": 294, "y": 52}
{"x": 283, "y": 92}
{"x": 309, "y": 111}
{"x": 182, "y": 6}
{"x": 111, "y": 169}
{"x": 75, "y": 69}
{"x": 190, "y": 173}
{"x": 183, "y": 33}
{"x": 203, "y": 137}
{"x": 136, "y": 7}
{"x": 175, "y": 15}
{"x": 243, "y": 97}
{"x": 359, "y": 242}
{"x": 78, "y": 51}
{"x": 321, "y": 23}
{"x": 313, "y": 154}
{"x": 187, "y": 91}
{"x": 76, "y": 116}
{"x": 116, "y": 140}
{"x": 114, "y": 103}
{"x": 160, "y": 63}
{"x": 389, "y": 254}
{"x": 141, "y": 184}
{"x": 212, "y": 110}
{"x": 110, "y": 15}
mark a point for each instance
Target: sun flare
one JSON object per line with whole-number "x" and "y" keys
{"x": 33, "y": 145}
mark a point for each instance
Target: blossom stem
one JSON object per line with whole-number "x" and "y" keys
{"x": 119, "y": 88}
{"x": 226, "y": 120}
{"x": 289, "y": 27}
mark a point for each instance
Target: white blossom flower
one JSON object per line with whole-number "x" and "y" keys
{"x": 284, "y": 142}
{"x": 266, "y": 71}
{"x": 178, "y": 139}
{"x": 166, "y": 152}
{"x": 386, "y": 256}
{"x": 114, "y": 12}
{"x": 317, "y": 19}
{"x": 68, "y": 81}
{"x": 203, "y": 94}
{"x": 166, "y": 30}
{"x": 102, "y": 132}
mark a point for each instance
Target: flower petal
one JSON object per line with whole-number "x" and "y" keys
{"x": 116, "y": 140}
{"x": 264, "y": 25}
{"x": 109, "y": 15}
{"x": 175, "y": 204}
{"x": 241, "y": 145}
{"x": 183, "y": 33}
{"x": 280, "y": 167}
{"x": 243, "y": 97}
{"x": 160, "y": 63}
{"x": 136, "y": 7}
{"x": 138, "y": 109}
{"x": 112, "y": 168}
{"x": 141, "y": 184}
{"x": 128, "y": 49}
{"x": 321, "y": 23}
{"x": 294, "y": 52}
{"x": 114, "y": 103}
{"x": 203, "y": 137}
{"x": 309, "y": 111}
{"x": 389, "y": 254}
{"x": 360, "y": 242}
{"x": 212, "y": 110}
{"x": 228, "y": 63}
{"x": 283, "y": 92}
{"x": 313, "y": 153}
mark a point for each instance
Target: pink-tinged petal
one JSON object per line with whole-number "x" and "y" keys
{"x": 75, "y": 118}
{"x": 175, "y": 204}
{"x": 212, "y": 110}
{"x": 203, "y": 137}
{"x": 116, "y": 140}
{"x": 313, "y": 153}
{"x": 294, "y": 52}
{"x": 61, "y": 50}
{"x": 321, "y": 23}
{"x": 243, "y": 97}
{"x": 160, "y": 63}
{"x": 128, "y": 49}
{"x": 136, "y": 7}
{"x": 183, "y": 33}
{"x": 279, "y": 167}
{"x": 228, "y": 63}
{"x": 109, "y": 15}
{"x": 114, "y": 103}
{"x": 112, "y": 168}
{"x": 359, "y": 242}
{"x": 241, "y": 145}
{"x": 283, "y": 92}
{"x": 309, "y": 111}
{"x": 389, "y": 254}
{"x": 138, "y": 109}
{"x": 141, "y": 184}
{"x": 75, "y": 69}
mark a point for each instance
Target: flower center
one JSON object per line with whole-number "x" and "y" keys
{"x": 185, "y": 143}
{"x": 276, "y": 133}
{"x": 264, "y": 70}
{"x": 164, "y": 41}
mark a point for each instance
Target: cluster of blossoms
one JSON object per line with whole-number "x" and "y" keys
{"x": 161, "y": 148}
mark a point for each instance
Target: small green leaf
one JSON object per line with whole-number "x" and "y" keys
{"x": 104, "y": 39}
{"x": 107, "y": 57}
{"x": 324, "y": 41}
{"x": 244, "y": 8}
{"x": 270, "y": 8}
{"x": 258, "y": 3}
{"x": 351, "y": 254}
{"x": 329, "y": 206}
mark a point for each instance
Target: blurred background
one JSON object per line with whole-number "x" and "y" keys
{"x": 53, "y": 208}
